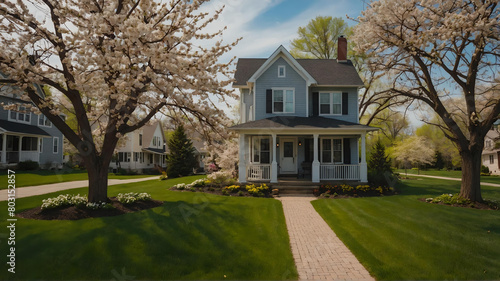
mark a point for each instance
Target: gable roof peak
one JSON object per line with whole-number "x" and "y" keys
{"x": 288, "y": 57}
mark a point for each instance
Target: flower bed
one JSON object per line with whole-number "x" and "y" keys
{"x": 345, "y": 190}
{"x": 211, "y": 186}
{"x": 68, "y": 200}
{"x": 458, "y": 201}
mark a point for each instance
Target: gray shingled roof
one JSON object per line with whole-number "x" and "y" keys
{"x": 295, "y": 122}
{"x": 14, "y": 127}
{"x": 324, "y": 71}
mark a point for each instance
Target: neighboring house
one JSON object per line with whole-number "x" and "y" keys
{"x": 491, "y": 151}
{"x": 27, "y": 136}
{"x": 144, "y": 149}
{"x": 200, "y": 152}
{"x": 300, "y": 118}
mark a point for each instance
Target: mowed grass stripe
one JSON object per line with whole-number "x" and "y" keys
{"x": 399, "y": 237}
{"x": 192, "y": 236}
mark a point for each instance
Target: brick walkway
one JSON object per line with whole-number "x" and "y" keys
{"x": 318, "y": 252}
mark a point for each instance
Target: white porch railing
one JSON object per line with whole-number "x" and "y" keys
{"x": 339, "y": 172}
{"x": 259, "y": 172}
{"x": 29, "y": 155}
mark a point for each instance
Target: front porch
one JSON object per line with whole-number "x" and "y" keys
{"x": 327, "y": 172}
{"x": 19, "y": 148}
{"x": 314, "y": 158}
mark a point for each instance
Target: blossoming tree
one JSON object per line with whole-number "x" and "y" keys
{"x": 433, "y": 51}
{"x": 115, "y": 64}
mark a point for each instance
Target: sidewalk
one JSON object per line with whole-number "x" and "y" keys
{"x": 451, "y": 179}
{"x": 49, "y": 188}
{"x": 318, "y": 253}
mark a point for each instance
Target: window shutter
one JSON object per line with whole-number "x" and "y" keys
{"x": 347, "y": 151}
{"x": 269, "y": 101}
{"x": 345, "y": 103}
{"x": 315, "y": 103}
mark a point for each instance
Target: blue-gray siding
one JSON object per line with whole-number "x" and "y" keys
{"x": 47, "y": 156}
{"x": 352, "y": 115}
{"x": 269, "y": 79}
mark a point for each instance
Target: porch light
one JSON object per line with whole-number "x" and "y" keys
{"x": 277, "y": 144}
{"x": 300, "y": 143}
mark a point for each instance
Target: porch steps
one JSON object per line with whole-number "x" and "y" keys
{"x": 295, "y": 186}
{"x": 297, "y": 189}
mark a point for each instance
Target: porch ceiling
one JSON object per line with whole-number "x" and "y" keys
{"x": 23, "y": 129}
{"x": 303, "y": 124}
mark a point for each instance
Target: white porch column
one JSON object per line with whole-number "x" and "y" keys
{"x": 274, "y": 164}
{"x": 20, "y": 148}
{"x": 4, "y": 149}
{"x": 242, "y": 165}
{"x": 38, "y": 149}
{"x": 363, "y": 169}
{"x": 315, "y": 163}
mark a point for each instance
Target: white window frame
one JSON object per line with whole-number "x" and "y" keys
{"x": 492, "y": 159}
{"x": 45, "y": 120}
{"x": 252, "y": 148}
{"x": 140, "y": 139}
{"x": 284, "y": 100}
{"x": 55, "y": 144}
{"x": 331, "y": 103}
{"x": 17, "y": 112}
{"x": 332, "y": 150}
{"x": 280, "y": 67}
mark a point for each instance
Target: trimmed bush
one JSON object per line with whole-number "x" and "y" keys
{"x": 28, "y": 165}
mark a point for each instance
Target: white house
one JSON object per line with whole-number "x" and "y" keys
{"x": 143, "y": 149}
{"x": 491, "y": 151}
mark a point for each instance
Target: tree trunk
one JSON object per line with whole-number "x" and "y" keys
{"x": 98, "y": 180}
{"x": 471, "y": 175}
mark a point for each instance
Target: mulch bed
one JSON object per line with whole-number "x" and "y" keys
{"x": 77, "y": 213}
{"x": 475, "y": 205}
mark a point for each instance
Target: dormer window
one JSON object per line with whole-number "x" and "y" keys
{"x": 281, "y": 71}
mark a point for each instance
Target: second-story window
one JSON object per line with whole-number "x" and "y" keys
{"x": 283, "y": 101}
{"x": 330, "y": 103}
{"x": 281, "y": 71}
{"x": 140, "y": 139}
{"x": 44, "y": 121}
{"x": 21, "y": 115}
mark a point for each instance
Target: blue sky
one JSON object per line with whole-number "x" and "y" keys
{"x": 264, "y": 25}
{"x": 267, "y": 24}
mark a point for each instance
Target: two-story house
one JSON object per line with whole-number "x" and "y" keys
{"x": 27, "y": 136}
{"x": 144, "y": 149}
{"x": 300, "y": 117}
{"x": 491, "y": 151}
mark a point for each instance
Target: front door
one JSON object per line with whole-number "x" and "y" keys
{"x": 288, "y": 159}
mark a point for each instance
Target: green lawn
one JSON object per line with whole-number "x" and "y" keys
{"x": 192, "y": 236}
{"x": 30, "y": 178}
{"x": 402, "y": 238}
{"x": 450, "y": 174}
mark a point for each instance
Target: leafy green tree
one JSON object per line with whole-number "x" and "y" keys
{"x": 318, "y": 39}
{"x": 379, "y": 166}
{"x": 180, "y": 159}
{"x": 443, "y": 145}
{"x": 438, "y": 160}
